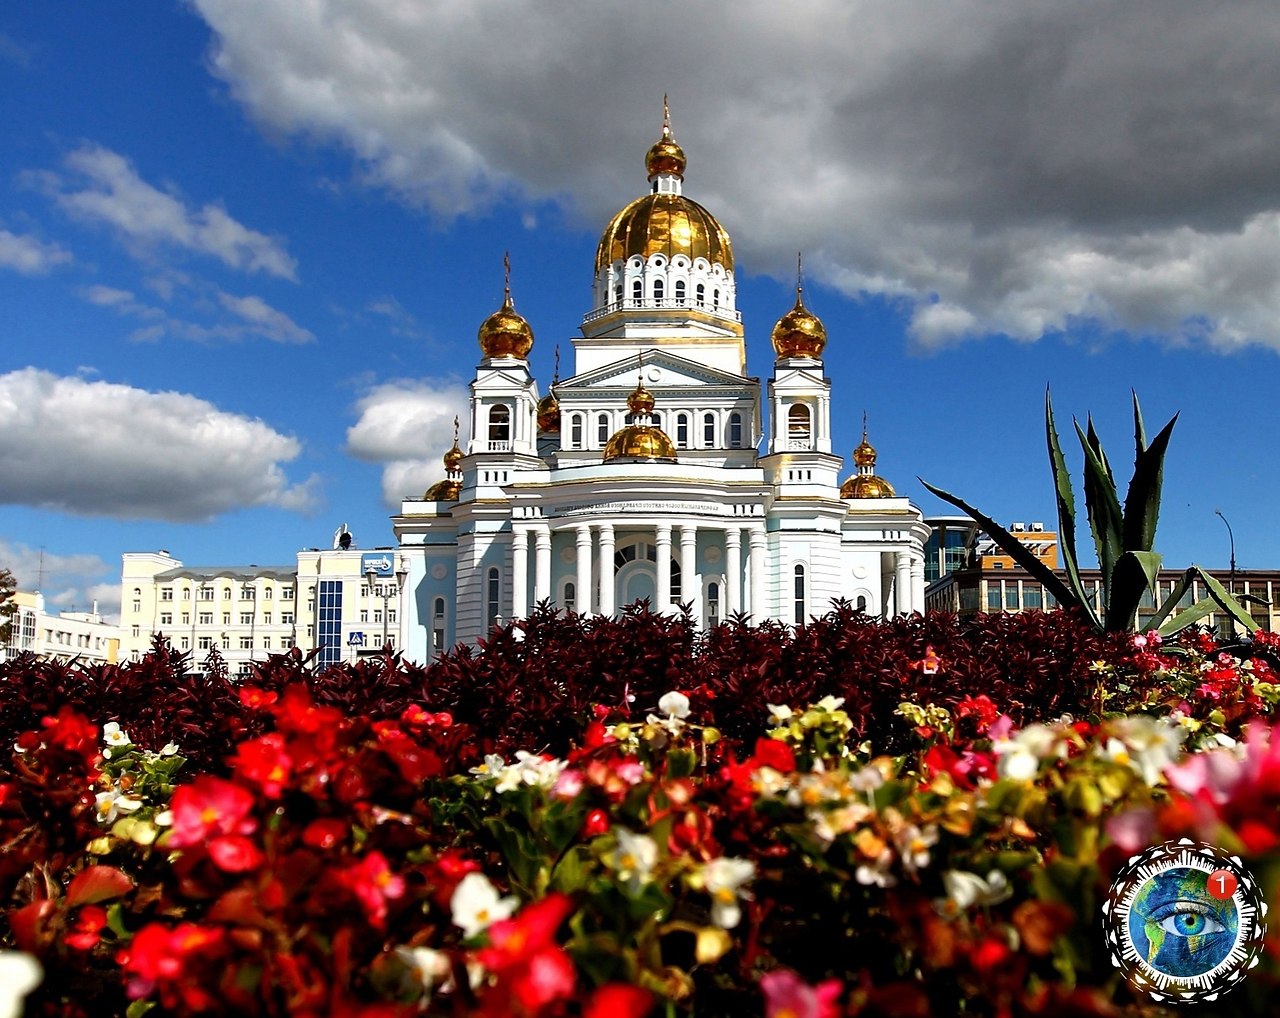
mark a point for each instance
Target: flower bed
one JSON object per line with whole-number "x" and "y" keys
{"x": 590, "y": 817}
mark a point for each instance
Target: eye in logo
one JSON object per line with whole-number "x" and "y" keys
{"x": 1183, "y": 921}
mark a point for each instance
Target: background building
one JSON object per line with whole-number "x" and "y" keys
{"x": 66, "y": 636}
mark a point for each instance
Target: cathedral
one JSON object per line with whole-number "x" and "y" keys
{"x": 658, "y": 470}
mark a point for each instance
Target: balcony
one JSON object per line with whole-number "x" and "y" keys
{"x": 662, "y": 304}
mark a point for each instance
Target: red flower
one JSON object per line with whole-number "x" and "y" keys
{"x": 256, "y": 699}
{"x": 618, "y": 1000}
{"x": 85, "y": 933}
{"x": 513, "y": 940}
{"x": 786, "y": 995}
{"x": 263, "y": 762}
{"x": 774, "y": 753}
{"x": 981, "y": 709}
{"x": 162, "y": 958}
{"x": 373, "y": 884}
{"x": 595, "y": 824}
{"x": 208, "y": 807}
{"x": 990, "y": 954}
{"x": 324, "y": 833}
{"x": 233, "y": 853}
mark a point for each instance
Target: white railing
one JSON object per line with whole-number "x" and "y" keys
{"x": 499, "y": 446}
{"x": 663, "y": 303}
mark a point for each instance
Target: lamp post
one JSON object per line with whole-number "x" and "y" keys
{"x": 1231, "y": 583}
{"x": 371, "y": 575}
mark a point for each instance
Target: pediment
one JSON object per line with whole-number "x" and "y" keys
{"x": 677, "y": 372}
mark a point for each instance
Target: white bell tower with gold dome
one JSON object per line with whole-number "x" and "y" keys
{"x": 657, "y": 470}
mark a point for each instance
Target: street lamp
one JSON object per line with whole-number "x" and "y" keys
{"x": 371, "y": 574}
{"x": 1231, "y": 586}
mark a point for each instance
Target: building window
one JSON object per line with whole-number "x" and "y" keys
{"x": 166, "y": 618}
{"x": 286, "y": 618}
{"x": 493, "y": 594}
{"x": 575, "y": 432}
{"x": 637, "y": 290}
{"x": 330, "y": 622}
{"x": 268, "y": 593}
{"x": 709, "y": 430}
{"x": 602, "y": 429}
{"x": 286, "y": 593}
{"x": 246, "y": 618}
{"x": 682, "y": 431}
{"x": 798, "y": 592}
{"x": 715, "y": 298}
{"x": 226, "y": 618}
{"x": 186, "y": 593}
{"x": 205, "y": 642}
{"x": 700, "y": 292}
{"x": 570, "y": 596}
{"x": 713, "y": 604}
{"x": 266, "y": 619}
{"x": 735, "y": 430}
{"x": 246, "y": 592}
{"x": 186, "y": 618}
{"x": 166, "y": 593}
{"x": 437, "y": 626}
{"x": 137, "y": 606}
{"x": 205, "y": 618}
{"x": 185, "y": 643}
{"x": 136, "y": 631}
{"x": 226, "y": 593}
{"x": 226, "y": 642}
{"x": 246, "y": 643}
{"x": 993, "y": 597}
{"x": 679, "y": 290}
{"x": 266, "y": 643}
{"x": 862, "y": 603}
{"x": 799, "y": 427}
{"x": 500, "y": 423}
{"x": 205, "y": 594}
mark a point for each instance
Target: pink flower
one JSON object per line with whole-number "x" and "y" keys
{"x": 207, "y": 807}
{"x": 373, "y": 884}
{"x": 786, "y": 995}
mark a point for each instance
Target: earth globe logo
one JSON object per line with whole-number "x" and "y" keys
{"x": 1184, "y": 921}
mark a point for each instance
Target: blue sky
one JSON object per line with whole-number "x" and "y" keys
{"x": 245, "y": 244}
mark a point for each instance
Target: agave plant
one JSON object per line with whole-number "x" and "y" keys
{"x": 1123, "y": 535}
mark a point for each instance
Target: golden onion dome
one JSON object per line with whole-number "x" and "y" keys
{"x": 866, "y": 486}
{"x": 865, "y": 454}
{"x": 667, "y": 224}
{"x": 640, "y": 441}
{"x": 443, "y": 491}
{"x": 453, "y": 458}
{"x": 505, "y": 333}
{"x": 799, "y": 333}
{"x": 640, "y": 401}
{"x": 665, "y": 158}
{"x": 549, "y": 414}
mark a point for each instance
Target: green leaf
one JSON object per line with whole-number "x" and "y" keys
{"x": 1179, "y": 589}
{"x": 1066, "y": 516}
{"x": 1135, "y": 573}
{"x": 1139, "y": 429}
{"x": 97, "y": 883}
{"x": 1142, "y": 502}
{"x": 138, "y": 1008}
{"x": 1226, "y": 601}
{"x": 1103, "y": 505}
{"x": 1016, "y": 549}
{"x": 1200, "y": 610}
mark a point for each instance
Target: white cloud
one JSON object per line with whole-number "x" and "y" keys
{"x": 69, "y": 582}
{"x": 407, "y": 426}
{"x": 94, "y": 448}
{"x": 24, "y": 253}
{"x": 103, "y": 186}
{"x": 1000, "y": 166}
{"x": 265, "y": 320}
{"x": 253, "y": 317}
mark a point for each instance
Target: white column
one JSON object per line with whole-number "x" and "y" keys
{"x": 902, "y": 584}
{"x": 583, "y": 599}
{"x": 519, "y": 572}
{"x": 759, "y": 610}
{"x": 733, "y": 570}
{"x": 917, "y": 584}
{"x": 542, "y": 564}
{"x": 662, "y": 543}
{"x": 608, "y": 599}
{"x": 691, "y": 589}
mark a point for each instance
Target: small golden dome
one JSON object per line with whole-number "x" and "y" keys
{"x": 453, "y": 458}
{"x": 443, "y": 491}
{"x": 549, "y": 414}
{"x": 641, "y": 400}
{"x": 505, "y": 333}
{"x": 865, "y": 454}
{"x": 799, "y": 333}
{"x": 866, "y": 486}
{"x": 665, "y": 158}
{"x": 640, "y": 441}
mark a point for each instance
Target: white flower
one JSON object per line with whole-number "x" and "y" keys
{"x": 20, "y": 973}
{"x": 723, "y": 878}
{"x": 674, "y": 705}
{"x": 169, "y": 749}
{"x": 491, "y": 766}
{"x": 1019, "y": 758}
{"x": 779, "y": 714}
{"x": 111, "y": 804}
{"x": 476, "y": 903}
{"x": 877, "y": 872}
{"x": 1148, "y": 745}
{"x": 913, "y": 844}
{"x": 430, "y": 967}
{"x": 965, "y": 889}
{"x": 113, "y": 735}
{"x": 634, "y": 858}
{"x": 830, "y": 704}
{"x": 529, "y": 769}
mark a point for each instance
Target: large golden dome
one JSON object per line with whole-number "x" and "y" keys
{"x": 443, "y": 491}
{"x": 799, "y": 333}
{"x": 668, "y": 224}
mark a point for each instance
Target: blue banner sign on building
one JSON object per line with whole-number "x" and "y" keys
{"x": 382, "y": 565}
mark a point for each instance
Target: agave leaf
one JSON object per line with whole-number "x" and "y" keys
{"x": 1171, "y": 602}
{"x": 1136, "y": 572}
{"x": 1066, "y": 514}
{"x": 1103, "y": 504}
{"x": 1189, "y": 617}
{"x": 1219, "y": 599}
{"x": 1226, "y": 600}
{"x": 1142, "y": 503}
{"x": 1096, "y": 443}
{"x": 1139, "y": 429}
{"x": 1018, "y": 551}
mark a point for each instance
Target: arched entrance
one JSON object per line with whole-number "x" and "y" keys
{"x": 635, "y": 564}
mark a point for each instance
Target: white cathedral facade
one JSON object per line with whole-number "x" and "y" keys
{"x": 658, "y": 470}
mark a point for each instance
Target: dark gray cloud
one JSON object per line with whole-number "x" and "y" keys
{"x": 1003, "y": 166}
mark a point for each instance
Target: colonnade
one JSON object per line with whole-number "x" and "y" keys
{"x": 595, "y": 545}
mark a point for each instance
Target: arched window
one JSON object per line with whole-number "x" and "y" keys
{"x": 700, "y": 292}
{"x": 570, "y": 596}
{"x": 713, "y": 604}
{"x": 575, "y": 432}
{"x": 735, "y": 430}
{"x": 637, "y": 290}
{"x": 617, "y": 293}
{"x": 682, "y": 431}
{"x": 799, "y": 430}
{"x": 677, "y": 580}
{"x": 679, "y": 288}
{"x": 437, "y": 626}
{"x": 658, "y": 289}
{"x": 862, "y": 603}
{"x": 493, "y": 595}
{"x": 500, "y": 423}
{"x": 715, "y": 297}
{"x": 799, "y": 592}
{"x": 657, "y": 418}
{"x": 602, "y": 429}
{"x": 709, "y": 430}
